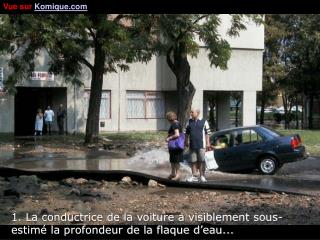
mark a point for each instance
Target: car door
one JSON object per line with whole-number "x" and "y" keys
{"x": 232, "y": 159}
{"x": 248, "y": 147}
{"x": 223, "y": 156}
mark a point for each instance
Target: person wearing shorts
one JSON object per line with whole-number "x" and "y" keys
{"x": 197, "y": 137}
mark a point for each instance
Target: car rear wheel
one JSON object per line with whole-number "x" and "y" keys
{"x": 268, "y": 165}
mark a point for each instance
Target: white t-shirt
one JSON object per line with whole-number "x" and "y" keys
{"x": 48, "y": 115}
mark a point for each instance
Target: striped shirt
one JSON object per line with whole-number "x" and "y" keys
{"x": 197, "y": 131}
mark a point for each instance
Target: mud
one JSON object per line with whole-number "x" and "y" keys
{"x": 85, "y": 196}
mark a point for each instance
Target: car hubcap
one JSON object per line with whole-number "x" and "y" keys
{"x": 267, "y": 165}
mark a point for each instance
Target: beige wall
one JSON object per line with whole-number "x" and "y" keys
{"x": 244, "y": 72}
{"x": 6, "y": 114}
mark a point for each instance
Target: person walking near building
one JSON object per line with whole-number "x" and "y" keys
{"x": 48, "y": 118}
{"x": 61, "y": 114}
{"x": 39, "y": 123}
{"x": 175, "y": 141}
{"x": 197, "y": 137}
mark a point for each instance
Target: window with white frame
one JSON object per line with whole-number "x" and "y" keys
{"x": 145, "y": 104}
{"x": 105, "y": 105}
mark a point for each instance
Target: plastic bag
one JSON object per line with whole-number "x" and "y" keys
{"x": 211, "y": 163}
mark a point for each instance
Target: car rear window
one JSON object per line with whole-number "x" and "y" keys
{"x": 270, "y": 132}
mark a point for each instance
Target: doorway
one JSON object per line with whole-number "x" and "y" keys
{"x": 29, "y": 99}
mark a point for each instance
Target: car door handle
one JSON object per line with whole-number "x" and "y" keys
{"x": 257, "y": 150}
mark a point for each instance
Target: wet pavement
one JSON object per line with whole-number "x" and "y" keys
{"x": 299, "y": 177}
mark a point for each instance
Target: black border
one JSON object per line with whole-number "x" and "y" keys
{"x": 181, "y": 6}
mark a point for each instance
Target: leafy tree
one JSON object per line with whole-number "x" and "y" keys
{"x": 272, "y": 66}
{"x": 115, "y": 41}
{"x": 178, "y": 40}
{"x": 71, "y": 40}
{"x": 277, "y": 64}
{"x": 268, "y": 94}
{"x": 292, "y": 46}
{"x": 304, "y": 52}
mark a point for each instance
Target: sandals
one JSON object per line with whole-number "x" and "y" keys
{"x": 175, "y": 178}
{"x": 171, "y": 176}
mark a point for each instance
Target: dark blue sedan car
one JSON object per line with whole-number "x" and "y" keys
{"x": 256, "y": 147}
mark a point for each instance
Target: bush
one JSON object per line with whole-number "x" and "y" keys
{"x": 277, "y": 117}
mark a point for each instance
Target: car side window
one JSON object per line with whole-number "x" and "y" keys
{"x": 246, "y": 136}
{"x": 220, "y": 141}
{"x": 255, "y": 137}
{"x": 235, "y": 138}
{"x": 250, "y": 136}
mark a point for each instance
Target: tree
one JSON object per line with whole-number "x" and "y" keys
{"x": 292, "y": 47}
{"x": 69, "y": 39}
{"x": 177, "y": 39}
{"x": 266, "y": 96}
{"x": 305, "y": 57}
{"x": 277, "y": 64}
{"x": 272, "y": 68}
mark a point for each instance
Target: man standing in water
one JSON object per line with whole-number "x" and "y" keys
{"x": 197, "y": 137}
{"x": 61, "y": 114}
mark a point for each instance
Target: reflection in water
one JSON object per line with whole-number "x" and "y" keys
{"x": 39, "y": 148}
{"x": 267, "y": 182}
{"x": 76, "y": 164}
{"x": 6, "y": 155}
{"x": 154, "y": 162}
{"x": 111, "y": 164}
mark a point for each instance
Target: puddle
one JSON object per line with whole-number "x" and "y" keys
{"x": 156, "y": 163}
{"x": 7, "y": 154}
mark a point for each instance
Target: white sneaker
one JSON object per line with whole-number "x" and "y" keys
{"x": 192, "y": 179}
{"x": 202, "y": 179}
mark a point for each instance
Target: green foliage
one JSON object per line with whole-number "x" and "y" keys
{"x": 292, "y": 50}
{"x": 278, "y": 117}
{"x": 291, "y": 57}
{"x": 175, "y": 29}
{"x": 69, "y": 40}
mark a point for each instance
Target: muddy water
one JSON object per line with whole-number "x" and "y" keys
{"x": 155, "y": 162}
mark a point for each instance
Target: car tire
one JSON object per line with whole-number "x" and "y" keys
{"x": 268, "y": 165}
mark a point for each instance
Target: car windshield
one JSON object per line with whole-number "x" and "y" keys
{"x": 271, "y": 132}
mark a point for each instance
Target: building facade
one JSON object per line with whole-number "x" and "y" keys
{"x": 137, "y": 100}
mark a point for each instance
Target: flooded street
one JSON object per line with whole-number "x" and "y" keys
{"x": 298, "y": 177}
{"x": 225, "y": 193}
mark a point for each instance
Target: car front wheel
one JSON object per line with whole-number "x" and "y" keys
{"x": 268, "y": 165}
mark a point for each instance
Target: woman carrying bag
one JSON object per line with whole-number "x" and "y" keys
{"x": 175, "y": 142}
